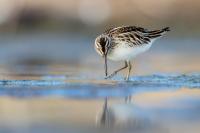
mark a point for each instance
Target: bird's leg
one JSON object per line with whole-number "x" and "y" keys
{"x": 129, "y": 70}
{"x": 115, "y": 72}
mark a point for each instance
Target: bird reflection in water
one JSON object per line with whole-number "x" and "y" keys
{"x": 122, "y": 115}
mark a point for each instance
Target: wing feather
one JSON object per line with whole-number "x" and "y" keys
{"x": 133, "y": 34}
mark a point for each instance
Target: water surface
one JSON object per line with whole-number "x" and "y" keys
{"x": 55, "y": 83}
{"x": 58, "y": 103}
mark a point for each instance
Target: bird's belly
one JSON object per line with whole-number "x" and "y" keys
{"x": 125, "y": 52}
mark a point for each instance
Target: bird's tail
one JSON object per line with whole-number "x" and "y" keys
{"x": 157, "y": 33}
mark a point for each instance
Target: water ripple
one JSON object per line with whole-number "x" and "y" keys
{"x": 181, "y": 80}
{"x": 91, "y": 88}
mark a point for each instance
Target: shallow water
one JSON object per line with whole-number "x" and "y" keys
{"x": 90, "y": 88}
{"x": 58, "y": 103}
{"x": 68, "y": 93}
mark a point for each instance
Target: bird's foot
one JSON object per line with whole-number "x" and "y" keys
{"x": 111, "y": 75}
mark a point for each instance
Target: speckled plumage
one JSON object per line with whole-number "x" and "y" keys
{"x": 125, "y": 42}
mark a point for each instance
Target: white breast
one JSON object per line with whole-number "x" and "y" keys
{"x": 125, "y": 52}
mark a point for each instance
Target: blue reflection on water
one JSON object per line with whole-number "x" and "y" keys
{"x": 120, "y": 88}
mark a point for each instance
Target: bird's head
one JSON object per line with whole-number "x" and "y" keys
{"x": 102, "y": 45}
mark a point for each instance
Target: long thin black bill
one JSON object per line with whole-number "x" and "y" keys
{"x": 105, "y": 65}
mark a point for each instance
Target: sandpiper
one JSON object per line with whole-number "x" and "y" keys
{"x": 124, "y": 43}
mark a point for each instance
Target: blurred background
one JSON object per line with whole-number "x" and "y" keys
{"x": 63, "y": 32}
{"x": 51, "y": 78}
